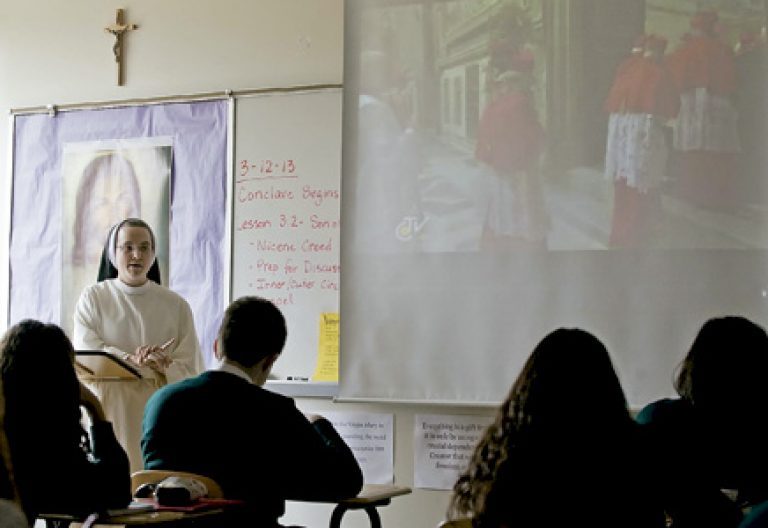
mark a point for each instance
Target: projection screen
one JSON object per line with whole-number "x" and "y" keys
{"x": 511, "y": 167}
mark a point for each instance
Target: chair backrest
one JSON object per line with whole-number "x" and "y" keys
{"x": 457, "y": 523}
{"x": 152, "y": 476}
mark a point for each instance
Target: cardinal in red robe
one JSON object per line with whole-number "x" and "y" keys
{"x": 641, "y": 101}
{"x": 706, "y": 133}
{"x": 510, "y": 140}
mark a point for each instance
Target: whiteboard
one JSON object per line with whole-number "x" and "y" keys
{"x": 286, "y": 225}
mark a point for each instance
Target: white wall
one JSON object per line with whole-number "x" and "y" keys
{"x": 421, "y": 509}
{"x": 58, "y": 52}
{"x": 54, "y": 52}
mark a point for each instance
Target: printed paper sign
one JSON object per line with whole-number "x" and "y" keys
{"x": 443, "y": 446}
{"x": 370, "y": 438}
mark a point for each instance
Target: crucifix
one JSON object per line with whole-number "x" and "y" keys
{"x": 118, "y": 29}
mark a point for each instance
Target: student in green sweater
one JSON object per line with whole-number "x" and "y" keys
{"x": 709, "y": 444}
{"x": 254, "y": 443}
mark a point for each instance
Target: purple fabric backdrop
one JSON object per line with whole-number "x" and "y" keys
{"x": 198, "y": 199}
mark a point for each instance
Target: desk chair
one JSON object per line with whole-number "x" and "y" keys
{"x": 369, "y": 499}
{"x": 457, "y": 523}
{"x": 152, "y": 476}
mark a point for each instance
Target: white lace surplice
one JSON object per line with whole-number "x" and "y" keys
{"x": 706, "y": 122}
{"x": 636, "y": 151}
{"x": 516, "y": 207}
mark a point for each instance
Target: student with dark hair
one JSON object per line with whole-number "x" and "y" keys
{"x": 563, "y": 449}
{"x": 57, "y": 466}
{"x": 139, "y": 321}
{"x": 256, "y": 444}
{"x": 712, "y": 439}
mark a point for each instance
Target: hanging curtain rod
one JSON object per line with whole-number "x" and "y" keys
{"x": 208, "y": 96}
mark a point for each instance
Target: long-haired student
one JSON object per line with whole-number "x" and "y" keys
{"x": 563, "y": 449}
{"x": 57, "y": 466}
{"x": 710, "y": 443}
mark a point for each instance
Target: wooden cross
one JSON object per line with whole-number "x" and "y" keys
{"x": 118, "y": 29}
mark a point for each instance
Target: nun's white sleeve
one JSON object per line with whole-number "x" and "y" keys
{"x": 185, "y": 352}
{"x": 87, "y": 319}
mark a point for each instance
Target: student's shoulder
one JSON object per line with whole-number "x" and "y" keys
{"x": 178, "y": 390}
{"x": 664, "y": 410}
{"x": 273, "y": 399}
{"x": 272, "y": 404}
{"x": 216, "y": 385}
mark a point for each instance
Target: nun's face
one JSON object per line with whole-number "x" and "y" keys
{"x": 134, "y": 255}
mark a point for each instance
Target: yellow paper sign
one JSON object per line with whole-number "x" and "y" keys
{"x": 327, "y": 368}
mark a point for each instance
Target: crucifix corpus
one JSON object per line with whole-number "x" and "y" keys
{"x": 119, "y": 29}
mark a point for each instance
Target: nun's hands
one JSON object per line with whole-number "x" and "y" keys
{"x": 152, "y": 356}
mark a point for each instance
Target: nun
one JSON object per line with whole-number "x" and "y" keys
{"x": 131, "y": 316}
